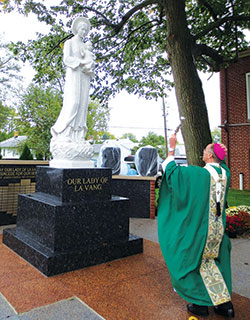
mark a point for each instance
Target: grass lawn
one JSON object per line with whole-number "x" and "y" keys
{"x": 235, "y": 197}
{"x": 238, "y": 197}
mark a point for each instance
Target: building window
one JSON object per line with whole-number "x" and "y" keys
{"x": 248, "y": 95}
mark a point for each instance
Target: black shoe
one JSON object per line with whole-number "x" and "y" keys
{"x": 225, "y": 309}
{"x": 198, "y": 310}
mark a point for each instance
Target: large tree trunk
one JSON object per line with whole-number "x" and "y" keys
{"x": 188, "y": 86}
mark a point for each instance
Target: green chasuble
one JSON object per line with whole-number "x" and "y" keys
{"x": 191, "y": 234}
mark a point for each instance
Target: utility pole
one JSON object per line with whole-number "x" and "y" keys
{"x": 165, "y": 124}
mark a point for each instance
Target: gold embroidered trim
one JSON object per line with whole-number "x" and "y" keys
{"x": 210, "y": 273}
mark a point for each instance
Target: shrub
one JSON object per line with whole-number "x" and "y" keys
{"x": 26, "y": 154}
{"x": 39, "y": 156}
{"x": 237, "y": 221}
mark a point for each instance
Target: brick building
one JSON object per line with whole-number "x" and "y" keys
{"x": 235, "y": 119}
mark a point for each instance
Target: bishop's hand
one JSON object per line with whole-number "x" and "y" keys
{"x": 172, "y": 141}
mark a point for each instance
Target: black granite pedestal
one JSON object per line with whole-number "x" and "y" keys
{"x": 71, "y": 221}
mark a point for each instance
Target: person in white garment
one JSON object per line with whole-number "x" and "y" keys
{"x": 71, "y": 124}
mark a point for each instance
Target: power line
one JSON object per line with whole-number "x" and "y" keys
{"x": 143, "y": 128}
{"x": 139, "y": 128}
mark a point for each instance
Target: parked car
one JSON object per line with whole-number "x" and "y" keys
{"x": 131, "y": 169}
{"x": 130, "y": 163}
{"x": 130, "y": 159}
{"x": 180, "y": 160}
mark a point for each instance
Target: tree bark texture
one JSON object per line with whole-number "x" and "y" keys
{"x": 189, "y": 92}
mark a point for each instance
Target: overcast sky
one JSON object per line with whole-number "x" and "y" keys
{"x": 128, "y": 112}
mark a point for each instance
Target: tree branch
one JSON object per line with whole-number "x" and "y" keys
{"x": 117, "y": 27}
{"x": 202, "y": 49}
{"x": 206, "y": 4}
{"x": 235, "y": 31}
{"x": 133, "y": 31}
{"x": 220, "y": 22}
{"x": 58, "y": 44}
{"x": 212, "y": 66}
{"x": 105, "y": 20}
{"x": 136, "y": 8}
{"x": 144, "y": 34}
{"x": 127, "y": 39}
{"x": 145, "y": 31}
{"x": 2, "y": 63}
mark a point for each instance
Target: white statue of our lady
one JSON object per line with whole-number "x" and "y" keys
{"x": 69, "y": 131}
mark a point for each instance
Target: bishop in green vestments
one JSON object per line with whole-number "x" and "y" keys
{"x": 191, "y": 229}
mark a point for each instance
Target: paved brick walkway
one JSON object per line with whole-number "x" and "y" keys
{"x": 133, "y": 288}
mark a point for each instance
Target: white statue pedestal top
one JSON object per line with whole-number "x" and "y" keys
{"x": 67, "y": 164}
{"x": 70, "y": 154}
